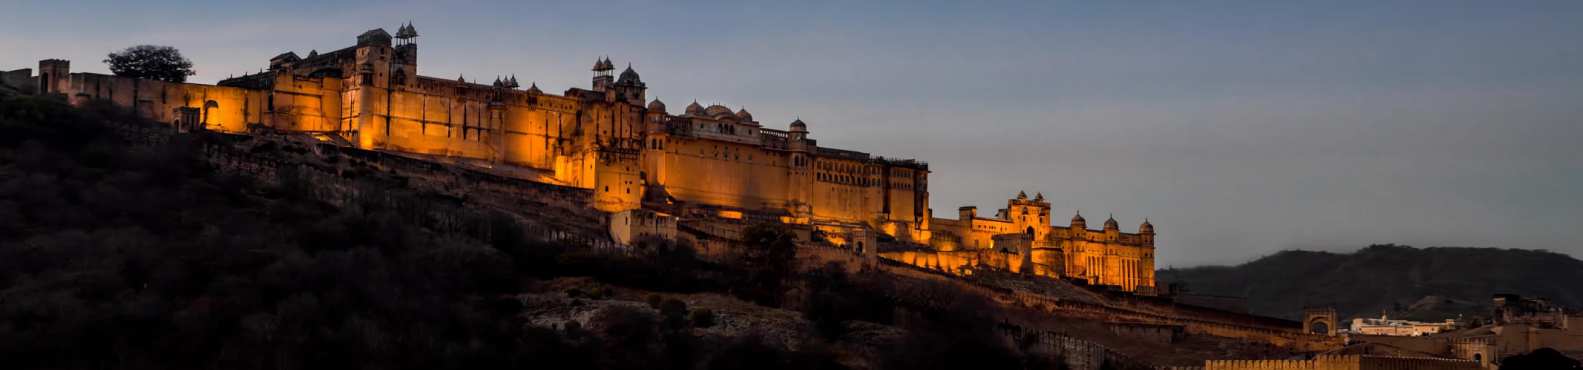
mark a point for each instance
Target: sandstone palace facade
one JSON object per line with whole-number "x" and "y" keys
{"x": 1021, "y": 238}
{"x": 632, "y": 153}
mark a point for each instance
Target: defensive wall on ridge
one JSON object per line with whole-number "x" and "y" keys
{"x": 1066, "y": 300}
{"x": 1344, "y": 363}
{"x": 1074, "y": 353}
{"x": 332, "y": 173}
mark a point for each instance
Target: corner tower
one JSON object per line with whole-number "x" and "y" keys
{"x": 54, "y": 76}
{"x": 799, "y": 166}
{"x": 374, "y": 60}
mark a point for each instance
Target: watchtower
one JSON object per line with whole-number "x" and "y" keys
{"x": 54, "y": 76}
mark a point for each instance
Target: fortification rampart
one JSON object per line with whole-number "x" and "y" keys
{"x": 1074, "y": 353}
{"x": 1191, "y": 324}
{"x": 1344, "y": 363}
{"x": 1080, "y": 303}
{"x": 336, "y": 174}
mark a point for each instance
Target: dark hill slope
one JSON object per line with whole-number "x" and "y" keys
{"x": 1427, "y": 283}
{"x": 126, "y": 246}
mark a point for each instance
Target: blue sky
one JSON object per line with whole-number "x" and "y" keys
{"x": 1239, "y": 127}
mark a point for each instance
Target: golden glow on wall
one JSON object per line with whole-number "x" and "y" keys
{"x": 608, "y": 138}
{"x": 1019, "y": 238}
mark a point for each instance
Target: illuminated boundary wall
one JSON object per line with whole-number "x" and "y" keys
{"x": 582, "y": 139}
{"x": 1345, "y": 363}
{"x": 327, "y": 165}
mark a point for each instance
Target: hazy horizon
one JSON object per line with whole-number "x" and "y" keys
{"x": 1238, "y": 128}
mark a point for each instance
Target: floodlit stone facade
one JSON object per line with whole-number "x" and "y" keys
{"x": 608, "y": 138}
{"x": 1021, "y": 238}
{"x": 630, "y": 152}
{"x": 1344, "y": 363}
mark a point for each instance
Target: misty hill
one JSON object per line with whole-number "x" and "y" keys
{"x": 1418, "y": 283}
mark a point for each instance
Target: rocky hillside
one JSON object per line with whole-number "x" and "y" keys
{"x": 1419, "y": 283}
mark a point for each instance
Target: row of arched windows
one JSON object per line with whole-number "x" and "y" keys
{"x": 848, "y": 168}
{"x": 846, "y": 179}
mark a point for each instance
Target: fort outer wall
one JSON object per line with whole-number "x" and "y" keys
{"x": 1193, "y": 322}
{"x": 586, "y": 140}
{"x": 1345, "y": 363}
{"x": 219, "y": 108}
{"x": 459, "y": 180}
{"x": 436, "y": 118}
{"x": 328, "y": 169}
{"x": 411, "y": 115}
{"x": 1082, "y": 304}
{"x": 563, "y": 140}
{"x": 315, "y": 102}
{"x": 1020, "y": 238}
{"x": 604, "y": 138}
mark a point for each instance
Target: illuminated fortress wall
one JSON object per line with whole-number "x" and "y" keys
{"x": 604, "y": 138}
{"x": 626, "y": 149}
{"x": 718, "y": 157}
{"x": 220, "y": 107}
{"x": 1020, "y": 238}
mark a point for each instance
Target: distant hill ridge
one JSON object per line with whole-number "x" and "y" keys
{"x": 1417, "y": 283}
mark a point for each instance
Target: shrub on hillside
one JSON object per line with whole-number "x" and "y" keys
{"x": 766, "y": 260}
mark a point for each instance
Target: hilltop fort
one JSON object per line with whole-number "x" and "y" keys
{"x": 607, "y": 161}
{"x": 635, "y": 154}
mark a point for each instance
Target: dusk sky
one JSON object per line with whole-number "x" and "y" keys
{"x": 1239, "y": 128}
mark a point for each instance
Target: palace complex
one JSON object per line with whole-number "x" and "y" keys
{"x": 704, "y": 173}
{"x": 1021, "y": 238}
{"x": 632, "y": 153}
